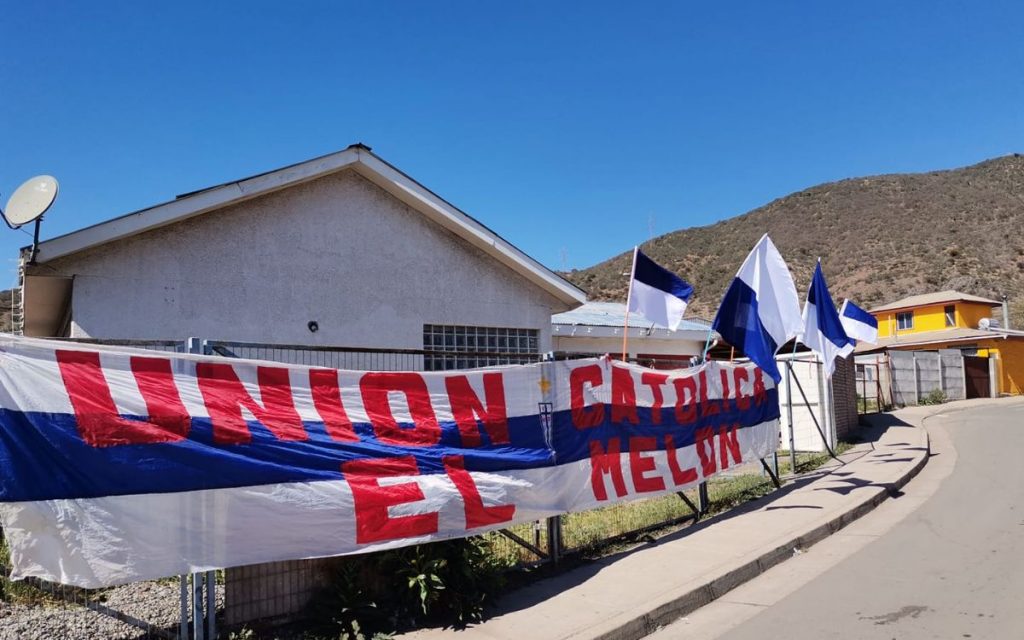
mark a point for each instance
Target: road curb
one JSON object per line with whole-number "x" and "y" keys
{"x": 679, "y": 605}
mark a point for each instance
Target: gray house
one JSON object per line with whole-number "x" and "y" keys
{"x": 344, "y": 249}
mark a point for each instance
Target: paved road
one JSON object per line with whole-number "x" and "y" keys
{"x": 944, "y": 560}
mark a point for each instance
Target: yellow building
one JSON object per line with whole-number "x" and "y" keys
{"x": 953, "y": 320}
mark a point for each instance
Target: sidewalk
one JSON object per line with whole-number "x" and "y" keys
{"x": 631, "y": 594}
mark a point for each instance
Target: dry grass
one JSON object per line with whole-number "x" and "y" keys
{"x": 603, "y": 529}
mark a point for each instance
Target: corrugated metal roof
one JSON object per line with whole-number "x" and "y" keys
{"x": 933, "y": 298}
{"x": 613, "y": 314}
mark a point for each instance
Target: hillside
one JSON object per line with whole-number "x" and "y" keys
{"x": 880, "y": 238}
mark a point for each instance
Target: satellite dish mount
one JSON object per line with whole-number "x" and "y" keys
{"x": 28, "y": 203}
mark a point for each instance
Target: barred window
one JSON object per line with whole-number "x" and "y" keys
{"x": 459, "y": 347}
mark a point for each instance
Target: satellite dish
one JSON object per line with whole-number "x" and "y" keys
{"x": 30, "y": 201}
{"x": 984, "y": 324}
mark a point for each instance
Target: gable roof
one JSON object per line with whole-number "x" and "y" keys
{"x": 357, "y": 157}
{"x": 933, "y": 298}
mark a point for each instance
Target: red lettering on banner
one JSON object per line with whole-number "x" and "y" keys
{"x": 707, "y": 407}
{"x": 96, "y": 416}
{"x": 680, "y": 476}
{"x": 623, "y": 397}
{"x": 226, "y": 396}
{"x": 583, "y": 416}
{"x": 323, "y": 384}
{"x": 655, "y": 381}
{"x": 372, "y": 501}
{"x": 739, "y": 376}
{"x": 640, "y": 465}
{"x": 729, "y": 443}
{"x": 705, "y": 445}
{"x": 467, "y": 408}
{"x": 376, "y": 387}
{"x": 759, "y": 390}
{"x": 477, "y": 514}
{"x": 606, "y": 462}
{"x": 686, "y": 399}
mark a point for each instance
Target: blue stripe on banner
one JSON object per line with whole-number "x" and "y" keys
{"x": 739, "y": 324}
{"x": 45, "y": 458}
{"x": 654, "y": 275}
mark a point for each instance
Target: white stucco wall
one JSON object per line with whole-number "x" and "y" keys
{"x": 338, "y": 250}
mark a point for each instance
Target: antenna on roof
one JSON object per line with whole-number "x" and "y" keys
{"x": 28, "y": 203}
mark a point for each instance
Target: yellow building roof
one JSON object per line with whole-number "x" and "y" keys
{"x": 938, "y": 297}
{"x": 957, "y": 334}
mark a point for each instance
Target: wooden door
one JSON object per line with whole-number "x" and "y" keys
{"x": 976, "y": 376}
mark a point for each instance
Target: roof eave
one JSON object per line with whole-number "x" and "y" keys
{"x": 357, "y": 157}
{"x": 194, "y": 204}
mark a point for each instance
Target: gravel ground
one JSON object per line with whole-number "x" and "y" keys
{"x": 153, "y": 603}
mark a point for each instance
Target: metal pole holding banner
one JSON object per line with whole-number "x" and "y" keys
{"x": 204, "y": 606}
{"x": 773, "y": 475}
{"x": 197, "y": 606}
{"x": 211, "y": 605}
{"x": 545, "y": 409}
{"x": 789, "y": 417}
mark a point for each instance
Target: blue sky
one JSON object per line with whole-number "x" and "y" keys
{"x": 571, "y": 129}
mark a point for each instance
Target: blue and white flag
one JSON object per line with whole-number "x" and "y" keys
{"x": 858, "y": 323}
{"x": 761, "y": 310}
{"x": 823, "y": 331}
{"x": 656, "y": 293}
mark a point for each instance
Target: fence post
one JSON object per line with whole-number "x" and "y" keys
{"x": 183, "y": 627}
{"x": 863, "y": 387}
{"x": 211, "y": 605}
{"x": 789, "y": 417}
{"x": 942, "y": 376}
{"x": 963, "y": 374}
{"x": 917, "y": 378}
{"x": 554, "y": 538}
{"x": 824, "y": 410}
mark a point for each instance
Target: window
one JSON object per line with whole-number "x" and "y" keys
{"x": 950, "y": 315}
{"x": 472, "y": 347}
{"x": 905, "y": 320}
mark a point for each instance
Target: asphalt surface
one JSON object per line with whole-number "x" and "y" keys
{"x": 944, "y": 559}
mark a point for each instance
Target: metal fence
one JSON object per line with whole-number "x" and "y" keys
{"x": 192, "y": 606}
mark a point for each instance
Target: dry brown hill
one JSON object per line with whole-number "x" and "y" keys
{"x": 880, "y": 238}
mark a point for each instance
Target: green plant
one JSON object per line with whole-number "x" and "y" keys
{"x": 446, "y": 583}
{"x": 935, "y": 396}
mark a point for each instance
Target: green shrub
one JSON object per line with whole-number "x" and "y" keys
{"x": 446, "y": 583}
{"x": 935, "y": 396}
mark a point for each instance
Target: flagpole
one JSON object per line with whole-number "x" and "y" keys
{"x": 629, "y": 296}
{"x": 707, "y": 344}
